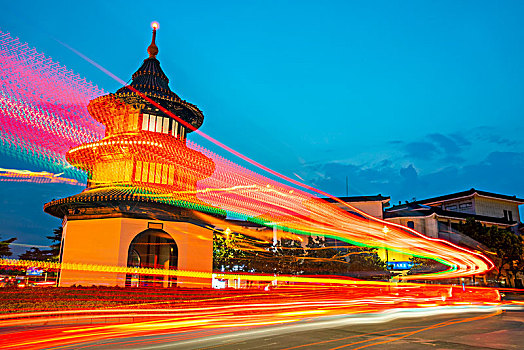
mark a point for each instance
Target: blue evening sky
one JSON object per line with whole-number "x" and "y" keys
{"x": 409, "y": 99}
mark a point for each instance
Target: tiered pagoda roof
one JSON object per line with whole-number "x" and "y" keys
{"x": 150, "y": 81}
{"x": 129, "y": 145}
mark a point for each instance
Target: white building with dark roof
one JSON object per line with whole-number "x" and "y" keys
{"x": 372, "y": 205}
{"x": 440, "y": 216}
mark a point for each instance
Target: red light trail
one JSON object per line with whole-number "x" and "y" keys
{"x": 45, "y": 121}
{"x": 289, "y": 309}
{"x": 42, "y": 108}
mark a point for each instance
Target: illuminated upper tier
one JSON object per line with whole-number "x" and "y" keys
{"x": 143, "y": 155}
{"x": 129, "y": 110}
{"x": 144, "y": 144}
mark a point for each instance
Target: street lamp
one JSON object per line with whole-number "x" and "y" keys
{"x": 274, "y": 224}
{"x": 385, "y": 229}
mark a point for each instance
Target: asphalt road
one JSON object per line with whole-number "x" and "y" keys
{"x": 458, "y": 331}
{"x": 504, "y": 331}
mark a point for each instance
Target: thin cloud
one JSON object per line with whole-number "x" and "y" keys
{"x": 498, "y": 172}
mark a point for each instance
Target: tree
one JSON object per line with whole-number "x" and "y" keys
{"x": 238, "y": 252}
{"x": 289, "y": 257}
{"x": 228, "y": 254}
{"x": 365, "y": 259}
{"x": 52, "y": 254}
{"x": 56, "y": 238}
{"x": 5, "y": 249}
{"x": 35, "y": 254}
{"x": 346, "y": 260}
{"x": 286, "y": 257}
{"x": 323, "y": 260}
{"x": 507, "y": 245}
{"x": 263, "y": 258}
{"x": 234, "y": 251}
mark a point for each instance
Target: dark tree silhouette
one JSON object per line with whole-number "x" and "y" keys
{"x": 507, "y": 245}
{"x": 52, "y": 254}
{"x": 5, "y": 249}
{"x": 56, "y": 238}
{"x": 35, "y": 254}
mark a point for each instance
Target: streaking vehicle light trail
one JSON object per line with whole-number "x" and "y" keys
{"x": 35, "y": 176}
{"x": 42, "y": 108}
{"x": 42, "y": 125}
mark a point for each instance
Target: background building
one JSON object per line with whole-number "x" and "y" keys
{"x": 372, "y": 205}
{"x": 440, "y": 216}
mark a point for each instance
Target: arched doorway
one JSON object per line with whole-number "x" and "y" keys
{"x": 152, "y": 248}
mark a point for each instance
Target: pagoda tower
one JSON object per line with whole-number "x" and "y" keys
{"x": 139, "y": 208}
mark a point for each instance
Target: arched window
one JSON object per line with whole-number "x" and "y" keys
{"x": 156, "y": 249}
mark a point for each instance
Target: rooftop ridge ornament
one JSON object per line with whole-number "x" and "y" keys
{"x": 152, "y": 50}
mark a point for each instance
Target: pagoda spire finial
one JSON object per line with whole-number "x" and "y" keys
{"x": 152, "y": 50}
